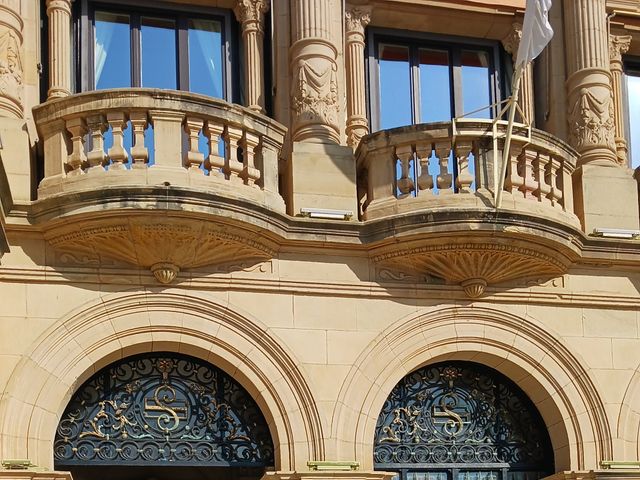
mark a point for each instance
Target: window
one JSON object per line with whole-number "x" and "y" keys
{"x": 125, "y": 47}
{"x": 461, "y": 421}
{"x": 423, "y": 80}
{"x": 632, "y": 77}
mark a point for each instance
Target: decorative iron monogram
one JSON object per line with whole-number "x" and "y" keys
{"x": 162, "y": 408}
{"x": 461, "y": 413}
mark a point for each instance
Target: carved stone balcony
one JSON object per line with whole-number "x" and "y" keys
{"x": 442, "y": 177}
{"x": 118, "y": 163}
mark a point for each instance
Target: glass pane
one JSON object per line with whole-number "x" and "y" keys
{"x": 158, "y": 53}
{"x": 476, "y": 92}
{"x": 112, "y": 63}
{"x": 205, "y": 57}
{"x": 426, "y": 475}
{"x": 478, "y": 475}
{"x": 633, "y": 91}
{"x": 395, "y": 86}
{"x": 435, "y": 88}
{"x": 525, "y": 475}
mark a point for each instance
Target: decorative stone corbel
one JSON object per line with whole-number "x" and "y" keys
{"x": 250, "y": 14}
{"x": 357, "y": 18}
{"x": 511, "y": 43}
{"x": 618, "y": 45}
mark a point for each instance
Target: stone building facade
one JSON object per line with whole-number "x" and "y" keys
{"x": 343, "y": 272}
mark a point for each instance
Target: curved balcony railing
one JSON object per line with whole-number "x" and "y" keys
{"x": 457, "y": 164}
{"x": 137, "y": 136}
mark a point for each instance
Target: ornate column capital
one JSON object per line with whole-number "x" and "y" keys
{"x": 357, "y": 17}
{"x": 64, "y": 5}
{"x": 250, "y": 12}
{"x": 512, "y": 41}
{"x": 618, "y": 46}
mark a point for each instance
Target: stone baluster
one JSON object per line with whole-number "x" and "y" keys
{"x": 77, "y": 158}
{"x": 566, "y": 187}
{"x": 193, "y": 158}
{"x": 525, "y": 99}
{"x": 97, "y": 158}
{"x": 425, "y": 180}
{"x": 235, "y": 166}
{"x": 540, "y": 166}
{"x": 591, "y": 122}
{"x": 215, "y": 163}
{"x": 139, "y": 153}
{"x": 405, "y": 182}
{"x": 315, "y": 100}
{"x": 117, "y": 153}
{"x": 514, "y": 182}
{"x": 444, "y": 179}
{"x": 555, "y": 193}
{"x": 250, "y": 14}
{"x": 11, "y": 51}
{"x": 59, "y": 13}
{"x": 526, "y": 161}
{"x": 250, "y": 174}
{"x": 618, "y": 45}
{"x": 465, "y": 179}
{"x": 356, "y": 18}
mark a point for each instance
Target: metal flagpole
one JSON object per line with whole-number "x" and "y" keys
{"x": 507, "y": 141}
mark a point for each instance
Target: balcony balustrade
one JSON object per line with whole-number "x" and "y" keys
{"x": 453, "y": 165}
{"x": 113, "y": 138}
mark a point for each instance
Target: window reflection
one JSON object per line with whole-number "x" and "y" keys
{"x": 633, "y": 94}
{"x": 395, "y": 86}
{"x": 112, "y": 53}
{"x": 475, "y": 82}
{"x": 158, "y": 40}
{"x": 205, "y": 57}
{"x": 435, "y": 91}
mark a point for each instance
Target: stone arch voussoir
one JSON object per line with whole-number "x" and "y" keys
{"x": 523, "y": 350}
{"x": 121, "y": 325}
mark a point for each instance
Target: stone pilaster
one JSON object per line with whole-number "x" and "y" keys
{"x": 618, "y": 45}
{"x": 315, "y": 101}
{"x": 589, "y": 83}
{"x": 357, "y": 18}
{"x": 525, "y": 99}
{"x": 11, "y": 69}
{"x": 59, "y": 13}
{"x": 250, "y": 14}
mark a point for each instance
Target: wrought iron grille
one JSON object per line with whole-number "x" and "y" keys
{"x": 162, "y": 408}
{"x": 462, "y": 419}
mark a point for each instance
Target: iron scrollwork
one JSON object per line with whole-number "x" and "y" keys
{"x": 163, "y": 408}
{"x": 462, "y": 414}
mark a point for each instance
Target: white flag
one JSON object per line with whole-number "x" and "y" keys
{"x": 536, "y": 31}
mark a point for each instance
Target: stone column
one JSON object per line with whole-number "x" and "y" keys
{"x": 59, "y": 13}
{"x": 357, "y": 18}
{"x": 591, "y": 115}
{"x": 314, "y": 68}
{"x": 11, "y": 69}
{"x": 525, "y": 99}
{"x": 591, "y": 124}
{"x": 250, "y": 14}
{"x": 619, "y": 45}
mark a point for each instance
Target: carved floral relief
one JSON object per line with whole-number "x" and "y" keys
{"x": 591, "y": 120}
{"x": 315, "y": 92}
{"x": 11, "y": 72}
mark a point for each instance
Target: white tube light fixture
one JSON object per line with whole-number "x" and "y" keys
{"x": 616, "y": 233}
{"x": 326, "y": 214}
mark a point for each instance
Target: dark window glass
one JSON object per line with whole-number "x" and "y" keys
{"x": 112, "y": 50}
{"x": 205, "y": 57}
{"x": 633, "y": 98}
{"x": 395, "y": 86}
{"x": 158, "y": 40}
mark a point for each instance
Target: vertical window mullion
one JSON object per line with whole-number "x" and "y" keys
{"x": 136, "y": 53}
{"x": 183, "y": 53}
{"x": 458, "y": 104}
{"x": 415, "y": 85}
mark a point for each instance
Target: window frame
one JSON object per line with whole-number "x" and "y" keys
{"x": 85, "y": 41}
{"x": 631, "y": 64}
{"x": 453, "y": 44}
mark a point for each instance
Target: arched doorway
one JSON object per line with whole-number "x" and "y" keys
{"x": 162, "y": 416}
{"x": 461, "y": 421}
